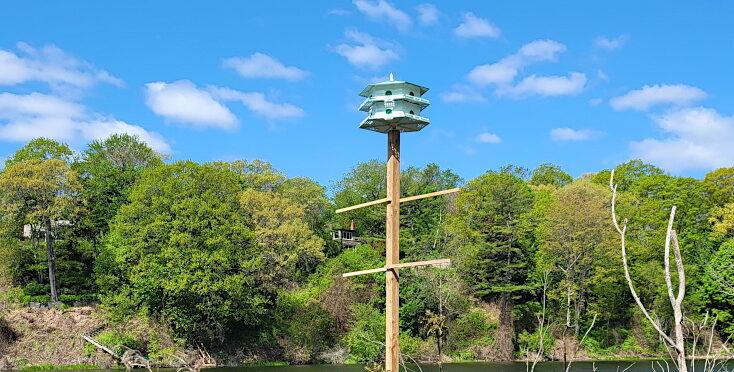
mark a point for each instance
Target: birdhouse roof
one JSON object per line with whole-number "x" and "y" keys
{"x": 391, "y": 84}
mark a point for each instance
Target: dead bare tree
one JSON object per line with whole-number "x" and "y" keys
{"x": 581, "y": 342}
{"x": 541, "y": 328}
{"x": 676, "y": 344}
{"x": 196, "y": 361}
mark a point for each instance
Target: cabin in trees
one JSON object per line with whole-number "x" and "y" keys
{"x": 393, "y": 105}
{"x": 39, "y": 231}
{"x": 347, "y": 237}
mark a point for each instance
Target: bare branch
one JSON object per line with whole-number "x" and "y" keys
{"x": 622, "y": 234}
{"x": 668, "y": 236}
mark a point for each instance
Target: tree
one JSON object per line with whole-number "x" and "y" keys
{"x": 676, "y": 343}
{"x": 181, "y": 250}
{"x": 720, "y": 185}
{"x": 575, "y": 243}
{"x": 318, "y": 212}
{"x": 41, "y": 193}
{"x": 718, "y": 287}
{"x": 722, "y": 219}
{"x": 364, "y": 183}
{"x": 494, "y": 242}
{"x": 423, "y": 222}
{"x": 435, "y": 326}
{"x": 628, "y": 173}
{"x": 257, "y": 174}
{"x": 288, "y": 249}
{"x": 108, "y": 169}
{"x": 549, "y": 174}
{"x": 41, "y": 149}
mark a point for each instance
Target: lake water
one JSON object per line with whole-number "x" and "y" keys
{"x": 606, "y": 366}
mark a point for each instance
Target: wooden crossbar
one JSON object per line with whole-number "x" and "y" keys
{"x": 368, "y": 204}
{"x": 439, "y": 263}
{"x": 402, "y": 200}
{"x": 363, "y": 272}
{"x": 429, "y": 195}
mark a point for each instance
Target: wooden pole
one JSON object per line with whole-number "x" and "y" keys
{"x": 392, "y": 253}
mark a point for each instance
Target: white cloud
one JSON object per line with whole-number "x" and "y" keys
{"x": 496, "y": 73}
{"x": 569, "y": 134}
{"x": 182, "y": 102}
{"x": 383, "y": 10}
{"x": 259, "y": 104}
{"x": 699, "y": 138}
{"x": 502, "y": 75}
{"x": 24, "y": 117}
{"x": 366, "y": 51}
{"x": 547, "y": 85}
{"x": 652, "y": 95}
{"x": 475, "y": 27}
{"x": 50, "y": 65}
{"x": 427, "y": 14}
{"x": 14, "y": 106}
{"x": 339, "y": 12}
{"x": 461, "y": 93}
{"x": 487, "y": 137}
{"x": 611, "y": 43}
{"x": 260, "y": 65}
{"x": 595, "y": 101}
{"x": 506, "y": 69}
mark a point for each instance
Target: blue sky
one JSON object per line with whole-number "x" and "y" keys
{"x": 582, "y": 84}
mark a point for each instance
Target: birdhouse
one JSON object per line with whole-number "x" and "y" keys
{"x": 394, "y": 105}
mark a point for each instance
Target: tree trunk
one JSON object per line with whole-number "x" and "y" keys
{"x": 51, "y": 261}
{"x": 568, "y": 302}
{"x": 440, "y": 349}
{"x": 506, "y": 330}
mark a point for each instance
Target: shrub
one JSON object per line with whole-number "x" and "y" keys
{"x": 475, "y": 327}
{"x": 365, "y": 338}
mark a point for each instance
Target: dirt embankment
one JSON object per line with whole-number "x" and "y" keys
{"x": 32, "y": 336}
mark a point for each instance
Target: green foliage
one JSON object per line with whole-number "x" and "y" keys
{"x": 116, "y": 341}
{"x": 364, "y": 183}
{"x": 304, "y": 328}
{"x": 530, "y": 341}
{"x": 318, "y": 210}
{"x": 108, "y": 169}
{"x": 719, "y": 184}
{"x": 717, "y": 287}
{"x": 473, "y": 328}
{"x": 289, "y": 250}
{"x": 627, "y": 174}
{"x": 722, "y": 219}
{"x": 495, "y": 242}
{"x": 181, "y": 250}
{"x": 549, "y": 174}
{"x": 630, "y": 345}
{"x": 41, "y": 149}
{"x": 238, "y": 256}
{"x": 41, "y": 191}
{"x": 258, "y": 174}
{"x": 580, "y": 252}
{"x": 366, "y": 338}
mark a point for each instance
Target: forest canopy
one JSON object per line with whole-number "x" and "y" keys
{"x": 237, "y": 253}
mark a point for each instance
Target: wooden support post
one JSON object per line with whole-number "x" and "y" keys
{"x": 392, "y": 253}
